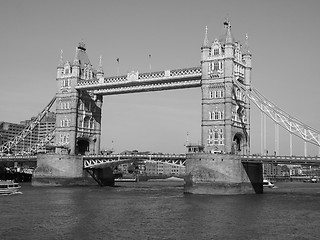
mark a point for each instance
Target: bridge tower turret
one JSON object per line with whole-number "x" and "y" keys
{"x": 100, "y": 73}
{"x": 60, "y": 66}
{"x": 225, "y": 110}
{"x": 78, "y": 113}
{"x": 76, "y": 65}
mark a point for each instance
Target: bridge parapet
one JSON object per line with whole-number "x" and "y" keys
{"x": 281, "y": 159}
{"x": 16, "y": 158}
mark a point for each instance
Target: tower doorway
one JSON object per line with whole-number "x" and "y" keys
{"x": 237, "y": 142}
{"x": 83, "y": 146}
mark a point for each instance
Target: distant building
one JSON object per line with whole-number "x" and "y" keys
{"x": 46, "y": 125}
{"x": 272, "y": 170}
{"x": 8, "y": 131}
{"x": 150, "y": 168}
{"x": 163, "y": 168}
{"x": 295, "y": 170}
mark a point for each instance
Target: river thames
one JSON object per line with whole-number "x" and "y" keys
{"x": 159, "y": 210}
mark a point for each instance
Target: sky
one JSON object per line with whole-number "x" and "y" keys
{"x": 284, "y": 41}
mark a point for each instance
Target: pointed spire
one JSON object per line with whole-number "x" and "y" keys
{"x": 61, "y": 59}
{"x": 82, "y": 45}
{"x": 76, "y": 60}
{"x": 206, "y": 41}
{"x": 229, "y": 37}
{"x": 100, "y": 70}
{"x": 246, "y": 46}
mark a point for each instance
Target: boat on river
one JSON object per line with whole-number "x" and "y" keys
{"x": 267, "y": 183}
{"x": 8, "y": 187}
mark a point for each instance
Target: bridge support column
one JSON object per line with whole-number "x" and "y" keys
{"x": 60, "y": 170}
{"x": 221, "y": 174}
{"x": 103, "y": 176}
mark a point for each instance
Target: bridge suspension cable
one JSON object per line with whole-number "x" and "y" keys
{"x": 280, "y": 117}
{"x": 6, "y": 147}
{"x": 42, "y": 142}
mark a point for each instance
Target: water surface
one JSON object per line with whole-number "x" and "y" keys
{"x": 160, "y": 210}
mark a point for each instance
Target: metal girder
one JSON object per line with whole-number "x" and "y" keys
{"x": 42, "y": 142}
{"x": 288, "y": 122}
{"x": 6, "y": 147}
{"x": 96, "y": 161}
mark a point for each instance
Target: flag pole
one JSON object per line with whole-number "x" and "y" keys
{"x": 150, "y": 62}
{"x": 118, "y": 60}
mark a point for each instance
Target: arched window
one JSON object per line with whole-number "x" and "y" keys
{"x": 86, "y": 122}
{"x": 216, "y": 66}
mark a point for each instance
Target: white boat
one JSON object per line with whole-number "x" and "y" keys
{"x": 9, "y": 187}
{"x": 125, "y": 180}
{"x": 267, "y": 183}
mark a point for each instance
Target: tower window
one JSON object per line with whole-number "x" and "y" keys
{"x": 66, "y": 83}
{"x": 216, "y": 115}
{"x": 215, "y": 137}
{"x": 216, "y": 51}
{"x": 219, "y": 94}
{"x": 216, "y": 66}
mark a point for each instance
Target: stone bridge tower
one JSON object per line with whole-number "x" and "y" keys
{"x": 225, "y": 124}
{"x": 225, "y": 128}
{"x": 78, "y": 113}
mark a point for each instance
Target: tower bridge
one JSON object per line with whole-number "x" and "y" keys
{"x": 223, "y": 164}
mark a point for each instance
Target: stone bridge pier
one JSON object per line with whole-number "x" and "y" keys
{"x": 221, "y": 174}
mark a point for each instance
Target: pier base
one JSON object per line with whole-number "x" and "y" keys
{"x": 60, "y": 170}
{"x": 221, "y": 174}
{"x": 103, "y": 176}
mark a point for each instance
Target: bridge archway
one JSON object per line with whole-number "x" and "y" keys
{"x": 83, "y": 146}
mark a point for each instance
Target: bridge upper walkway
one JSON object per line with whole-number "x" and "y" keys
{"x": 144, "y": 82}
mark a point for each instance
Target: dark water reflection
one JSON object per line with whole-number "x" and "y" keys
{"x": 155, "y": 210}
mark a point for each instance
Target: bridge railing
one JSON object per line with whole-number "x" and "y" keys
{"x": 281, "y": 159}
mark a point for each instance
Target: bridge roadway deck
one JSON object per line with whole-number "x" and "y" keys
{"x": 20, "y": 158}
{"x": 99, "y": 160}
{"x": 94, "y": 161}
{"x": 178, "y": 159}
{"x": 281, "y": 159}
